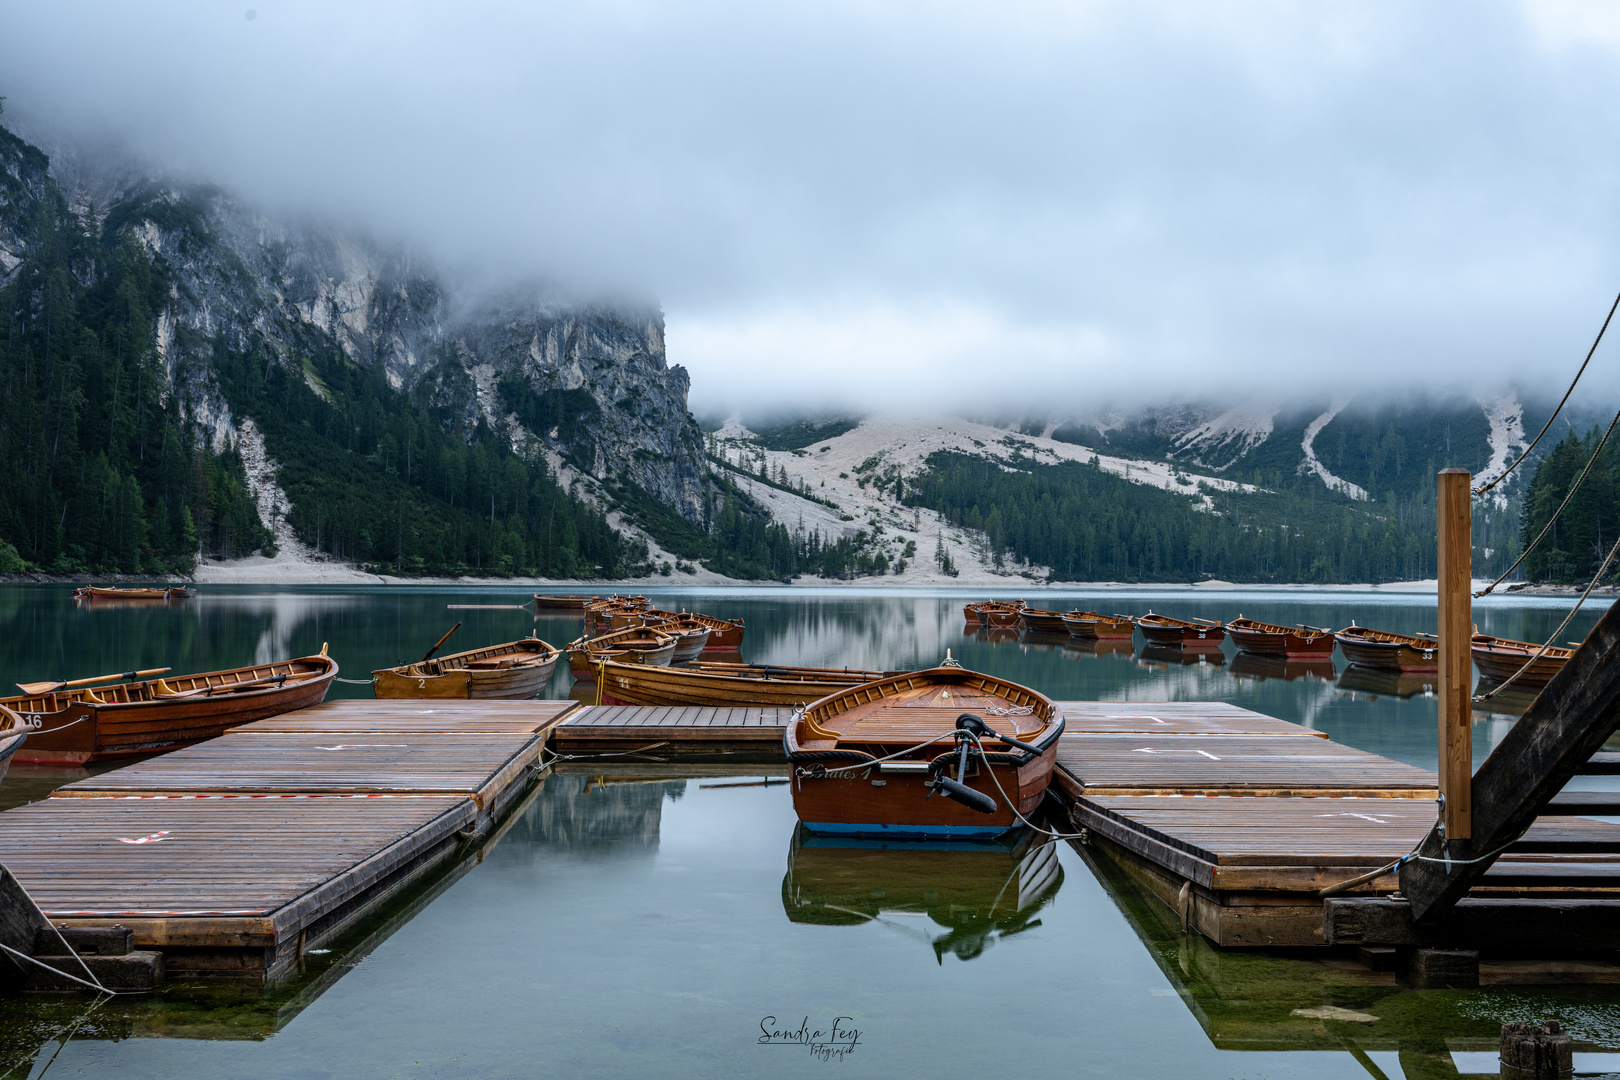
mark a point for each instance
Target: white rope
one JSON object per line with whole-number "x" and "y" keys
{"x": 67, "y": 949}
{"x": 1013, "y": 806}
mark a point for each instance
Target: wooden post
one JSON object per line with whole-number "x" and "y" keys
{"x": 1456, "y": 654}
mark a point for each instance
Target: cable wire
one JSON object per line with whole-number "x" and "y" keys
{"x": 1604, "y": 569}
{"x": 1483, "y": 488}
{"x": 1554, "y": 519}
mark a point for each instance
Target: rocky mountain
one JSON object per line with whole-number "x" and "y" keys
{"x": 588, "y": 382}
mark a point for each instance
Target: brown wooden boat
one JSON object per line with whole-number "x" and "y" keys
{"x": 544, "y": 602}
{"x": 1089, "y": 624}
{"x": 691, "y": 637}
{"x": 516, "y": 669}
{"x": 1043, "y": 621}
{"x": 986, "y": 745}
{"x": 1180, "y": 633}
{"x": 633, "y": 644}
{"x": 725, "y": 635}
{"x": 723, "y": 685}
{"x": 1270, "y": 639}
{"x": 1395, "y": 652}
{"x": 1499, "y": 658}
{"x": 13, "y": 732}
{"x": 995, "y": 613}
{"x": 148, "y": 716}
{"x": 166, "y": 592}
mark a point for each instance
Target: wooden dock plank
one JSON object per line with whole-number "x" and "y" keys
{"x": 297, "y": 762}
{"x": 612, "y": 728}
{"x": 209, "y": 871}
{"x": 1093, "y": 765}
{"x": 360, "y": 715}
{"x": 1173, "y": 718}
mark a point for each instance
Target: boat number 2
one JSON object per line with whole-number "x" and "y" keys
{"x": 421, "y": 684}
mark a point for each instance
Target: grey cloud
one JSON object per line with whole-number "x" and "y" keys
{"x": 838, "y": 202}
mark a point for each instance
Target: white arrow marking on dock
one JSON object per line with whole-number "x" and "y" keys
{"x": 1150, "y": 750}
{"x": 1137, "y": 716}
{"x": 153, "y": 839}
{"x": 360, "y": 745}
{"x": 1363, "y": 817}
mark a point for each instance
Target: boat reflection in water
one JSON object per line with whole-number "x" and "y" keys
{"x": 1092, "y": 647}
{"x": 1510, "y": 702}
{"x": 1164, "y": 656}
{"x": 977, "y": 891}
{"x": 1376, "y": 681}
{"x": 1255, "y": 666}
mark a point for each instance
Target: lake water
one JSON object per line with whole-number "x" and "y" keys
{"x": 648, "y": 921}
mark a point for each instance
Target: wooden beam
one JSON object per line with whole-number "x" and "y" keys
{"x": 1562, "y": 728}
{"x": 1456, "y": 658}
{"x": 1544, "y": 926}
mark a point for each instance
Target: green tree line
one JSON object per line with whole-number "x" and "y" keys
{"x": 1090, "y": 525}
{"x": 103, "y": 472}
{"x": 380, "y": 477}
{"x": 1581, "y": 537}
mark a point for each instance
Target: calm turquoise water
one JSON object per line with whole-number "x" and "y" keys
{"x": 633, "y": 922}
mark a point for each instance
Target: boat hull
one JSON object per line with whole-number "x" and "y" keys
{"x": 81, "y": 732}
{"x": 1045, "y": 622}
{"x": 13, "y": 734}
{"x": 1183, "y": 637}
{"x": 638, "y": 684}
{"x": 1389, "y": 655}
{"x": 1498, "y": 664}
{"x": 1100, "y": 629}
{"x": 511, "y": 683}
{"x": 542, "y": 602}
{"x": 1270, "y": 643}
{"x": 870, "y": 803}
{"x": 580, "y": 664}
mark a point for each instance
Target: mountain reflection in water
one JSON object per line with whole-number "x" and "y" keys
{"x": 978, "y": 891}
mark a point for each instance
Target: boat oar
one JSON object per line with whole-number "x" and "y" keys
{"x": 428, "y": 655}
{"x": 32, "y": 688}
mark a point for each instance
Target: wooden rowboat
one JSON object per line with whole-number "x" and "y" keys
{"x": 985, "y": 745}
{"x": 725, "y": 635}
{"x": 543, "y": 602}
{"x": 691, "y": 637}
{"x": 85, "y": 724}
{"x": 1270, "y": 639}
{"x": 994, "y": 613}
{"x": 634, "y": 644}
{"x": 1179, "y": 633}
{"x": 516, "y": 669}
{"x": 12, "y": 734}
{"x": 97, "y": 592}
{"x": 1043, "y": 621}
{"x": 1394, "y": 652}
{"x": 1499, "y": 658}
{"x": 722, "y": 685}
{"x": 1089, "y": 624}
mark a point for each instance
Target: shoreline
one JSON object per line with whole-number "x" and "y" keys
{"x": 272, "y": 572}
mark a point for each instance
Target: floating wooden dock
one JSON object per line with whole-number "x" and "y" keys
{"x": 666, "y": 730}
{"x": 1236, "y": 821}
{"x": 236, "y": 856}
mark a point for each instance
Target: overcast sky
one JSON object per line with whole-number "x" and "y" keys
{"x": 838, "y": 202}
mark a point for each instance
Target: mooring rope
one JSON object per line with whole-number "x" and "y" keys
{"x": 353, "y": 682}
{"x": 1554, "y": 519}
{"x": 1483, "y": 488}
